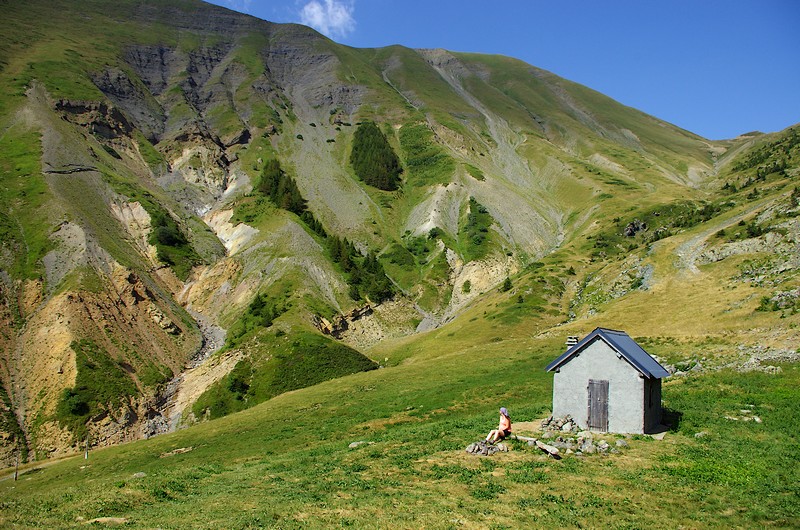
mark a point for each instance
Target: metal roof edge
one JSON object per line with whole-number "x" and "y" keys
{"x": 564, "y": 357}
{"x": 606, "y": 335}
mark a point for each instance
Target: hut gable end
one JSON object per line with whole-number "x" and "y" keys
{"x": 607, "y": 382}
{"x": 620, "y": 342}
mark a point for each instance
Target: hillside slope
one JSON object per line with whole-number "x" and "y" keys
{"x": 171, "y": 168}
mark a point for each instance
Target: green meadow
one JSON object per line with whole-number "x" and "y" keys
{"x": 288, "y": 462}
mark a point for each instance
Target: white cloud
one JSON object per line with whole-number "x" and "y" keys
{"x": 334, "y": 18}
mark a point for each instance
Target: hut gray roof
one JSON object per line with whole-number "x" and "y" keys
{"x": 623, "y": 344}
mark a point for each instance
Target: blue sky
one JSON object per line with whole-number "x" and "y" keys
{"x": 718, "y": 68}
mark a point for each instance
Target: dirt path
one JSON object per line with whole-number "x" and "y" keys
{"x": 689, "y": 251}
{"x": 29, "y": 467}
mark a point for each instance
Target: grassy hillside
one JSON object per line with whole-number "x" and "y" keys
{"x": 173, "y": 168}
{"x": 287, "y": 462}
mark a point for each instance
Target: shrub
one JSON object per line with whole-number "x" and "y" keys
{"x": 172, "y": 246}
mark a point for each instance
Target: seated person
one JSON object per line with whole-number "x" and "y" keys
{"x": 503, "y": 429}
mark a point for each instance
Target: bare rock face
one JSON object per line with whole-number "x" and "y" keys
{"x": 145, "y": 112}
{"x": 137, "y": 223}
{"x": 101, "y": 119}
{"x": 368, "y": 325}
{"x": 308, "y": 72}
{"x": 234, "y": 237}
{"x": 127, "y": 321}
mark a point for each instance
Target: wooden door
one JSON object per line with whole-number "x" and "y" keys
{"x": 598, "y": 405}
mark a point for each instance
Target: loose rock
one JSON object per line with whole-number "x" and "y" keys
{"x": 484, "y": 448}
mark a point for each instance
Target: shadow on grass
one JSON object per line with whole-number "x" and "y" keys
{"x": 671, "y": 419}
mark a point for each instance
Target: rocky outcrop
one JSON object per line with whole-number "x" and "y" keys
{"x": 144, "y": 111}
{"x": 369, "y": 325}
{"x": 127, "y": 322}
{"x": 341, "y": 323}
{"x": 136, "y": 221}
{"x": 99, "y": 118}
{"x": 634, "y": 227}
{"x": 484, "y": 448}
{"x": 234, "y": 237}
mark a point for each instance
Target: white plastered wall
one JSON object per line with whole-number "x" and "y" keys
{"x": 625, "y": 388}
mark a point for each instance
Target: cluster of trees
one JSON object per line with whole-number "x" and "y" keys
{"x": 783, "y": 147}
{"x": 261, "y": 312}
{"x": 772, "y": 158}
{"x": 744, "y": 230}
{"x": 373, "y": 159}
{"x": 172, "y": 246}
{"x": 165, "y": 231}
{"x": 280, "y": 188}
{"x": 365, "y": 273}
{"x": 477, "y": 229}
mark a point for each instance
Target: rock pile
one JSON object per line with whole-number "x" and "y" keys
{"x": 760, "y": 356}
{"x": 567, "y": 436}
{"x": 484, "y": 448}
{"x": 565, "y": 424}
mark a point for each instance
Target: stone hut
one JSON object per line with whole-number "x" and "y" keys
{"x": 608, "y": 383}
